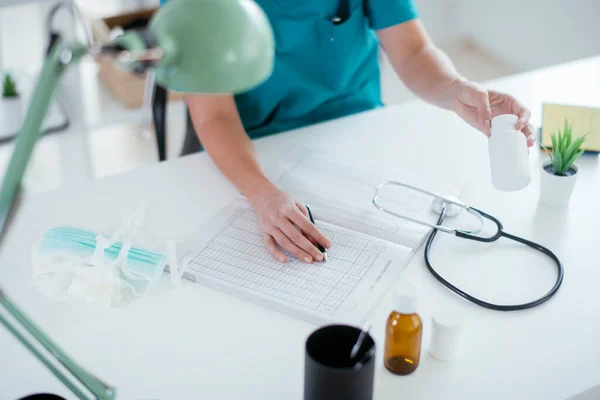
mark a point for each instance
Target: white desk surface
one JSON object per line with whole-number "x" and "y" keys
{"x": 194, "y": 342}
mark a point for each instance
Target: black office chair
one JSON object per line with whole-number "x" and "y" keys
{"x": 191, "y": 144}
{"x": 159, "y": 117}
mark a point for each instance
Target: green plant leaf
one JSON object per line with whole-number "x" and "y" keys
{"x": 567, "y": 136}
{"x": 554, "y": 146}
{"x": 565, "y": 148}
{"x": 572, "y": 160}
{"x": 575, "y": 152}
{"x": 547, "y": 150}
{"x": 559, "y": 137}
{"x": 572, "y": 149}
{"x": 9, "y": 87}
{"x": 584, "y": 137}
{"x": 557, "y": 163}
{"x": 553, "y": 138}
{"x": 560, "y": 141}
{"x": 579, "y": 141}
{"x": 568, "y": 133}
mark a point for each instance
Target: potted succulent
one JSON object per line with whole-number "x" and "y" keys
{"x": 560, "y": 172}
{"x": 10, "y": 107}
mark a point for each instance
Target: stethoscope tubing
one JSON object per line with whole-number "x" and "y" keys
{"x": 499, "y": 234}
{"x": 470, "y": 235}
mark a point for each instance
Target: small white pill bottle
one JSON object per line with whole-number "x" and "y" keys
{"x": 509, "y": 156}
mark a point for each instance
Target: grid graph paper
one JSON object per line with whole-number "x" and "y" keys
{"x": 233, "y": 256}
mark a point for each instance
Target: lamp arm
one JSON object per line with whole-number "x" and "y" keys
{"x": 241, "y": 59}
{"x": 60, "y": 56}
{"x": 33, "y": 350}
{"x": 99, "y": 389}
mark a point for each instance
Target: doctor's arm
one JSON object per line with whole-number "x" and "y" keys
{"x": 220, "y": 130}
{"x": 430, "y": 74}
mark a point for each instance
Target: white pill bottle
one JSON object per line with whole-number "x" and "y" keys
{"x": 509, "y": 156}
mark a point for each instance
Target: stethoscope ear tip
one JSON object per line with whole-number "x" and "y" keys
{"x": 452, "y": 210}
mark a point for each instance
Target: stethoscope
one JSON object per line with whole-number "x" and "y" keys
{"x": 449, "y": 206}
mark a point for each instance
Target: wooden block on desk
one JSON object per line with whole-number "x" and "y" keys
{"x": 584, "y": 120}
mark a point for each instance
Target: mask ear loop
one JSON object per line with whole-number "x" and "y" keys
{"x": 121, "y": 261}
{"x": 97, "y": 261}
{"x": 45, "y": 266}
{"x": 176, "y": 269}
{"x": 102, "y": 244}
{"x": 131, "y": 222}
{"x": 131, "y": 227}
{"x": 173, "y": 265}
{"x": 122, "y": 266}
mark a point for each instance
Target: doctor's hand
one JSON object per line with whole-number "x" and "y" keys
{"x": 477, "y": 106}
{"x": 285, "y": 225}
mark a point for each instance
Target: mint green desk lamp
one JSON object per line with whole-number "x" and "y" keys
{"x": 194, "y": 46}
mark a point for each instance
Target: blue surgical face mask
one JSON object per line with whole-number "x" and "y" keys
{"x": 137, "y": 267}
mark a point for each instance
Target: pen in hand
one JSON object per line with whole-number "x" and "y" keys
{"x": 321, "y": 248}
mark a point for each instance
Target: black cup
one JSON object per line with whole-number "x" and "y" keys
{"x": 330, "y": 373}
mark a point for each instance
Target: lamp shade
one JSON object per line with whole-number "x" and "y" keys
{"x": 213, "y": 46}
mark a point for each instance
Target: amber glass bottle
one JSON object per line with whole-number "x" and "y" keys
{"x": 403, "y": 333}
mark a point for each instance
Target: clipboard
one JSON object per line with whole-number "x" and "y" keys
{"x": 584, "y": 120}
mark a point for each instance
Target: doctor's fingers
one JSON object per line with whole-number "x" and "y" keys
{"x": 521, "y": 112}
{"x": 300, "y": 217}
{"x": 481, "y": 99}
{"x": 273, "y": 248}
{"x": 285, "y": 243}
{"x": 529, "y": 131}
{"x": 299, "y": 239}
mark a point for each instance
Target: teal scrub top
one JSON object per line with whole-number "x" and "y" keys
{"x": 326, "y": 62}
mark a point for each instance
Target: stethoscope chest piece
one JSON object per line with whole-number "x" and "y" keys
{"x": 447, "y": 206}
{"x": 452, "y": 210}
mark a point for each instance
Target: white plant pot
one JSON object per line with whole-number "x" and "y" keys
{"x": 11, "y": 116}
{"x": 556, "y": 190}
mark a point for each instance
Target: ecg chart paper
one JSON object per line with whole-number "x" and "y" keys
{"x": 341, "y": 191}
{"x": 229, "y": 255}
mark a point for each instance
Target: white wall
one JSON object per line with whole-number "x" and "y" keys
{"x": 542, "y": 33}
{"x": 440, "y": 18}
{"x": 22, "y": 48}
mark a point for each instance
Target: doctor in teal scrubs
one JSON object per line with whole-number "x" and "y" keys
{"x": 326, "y": 66}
